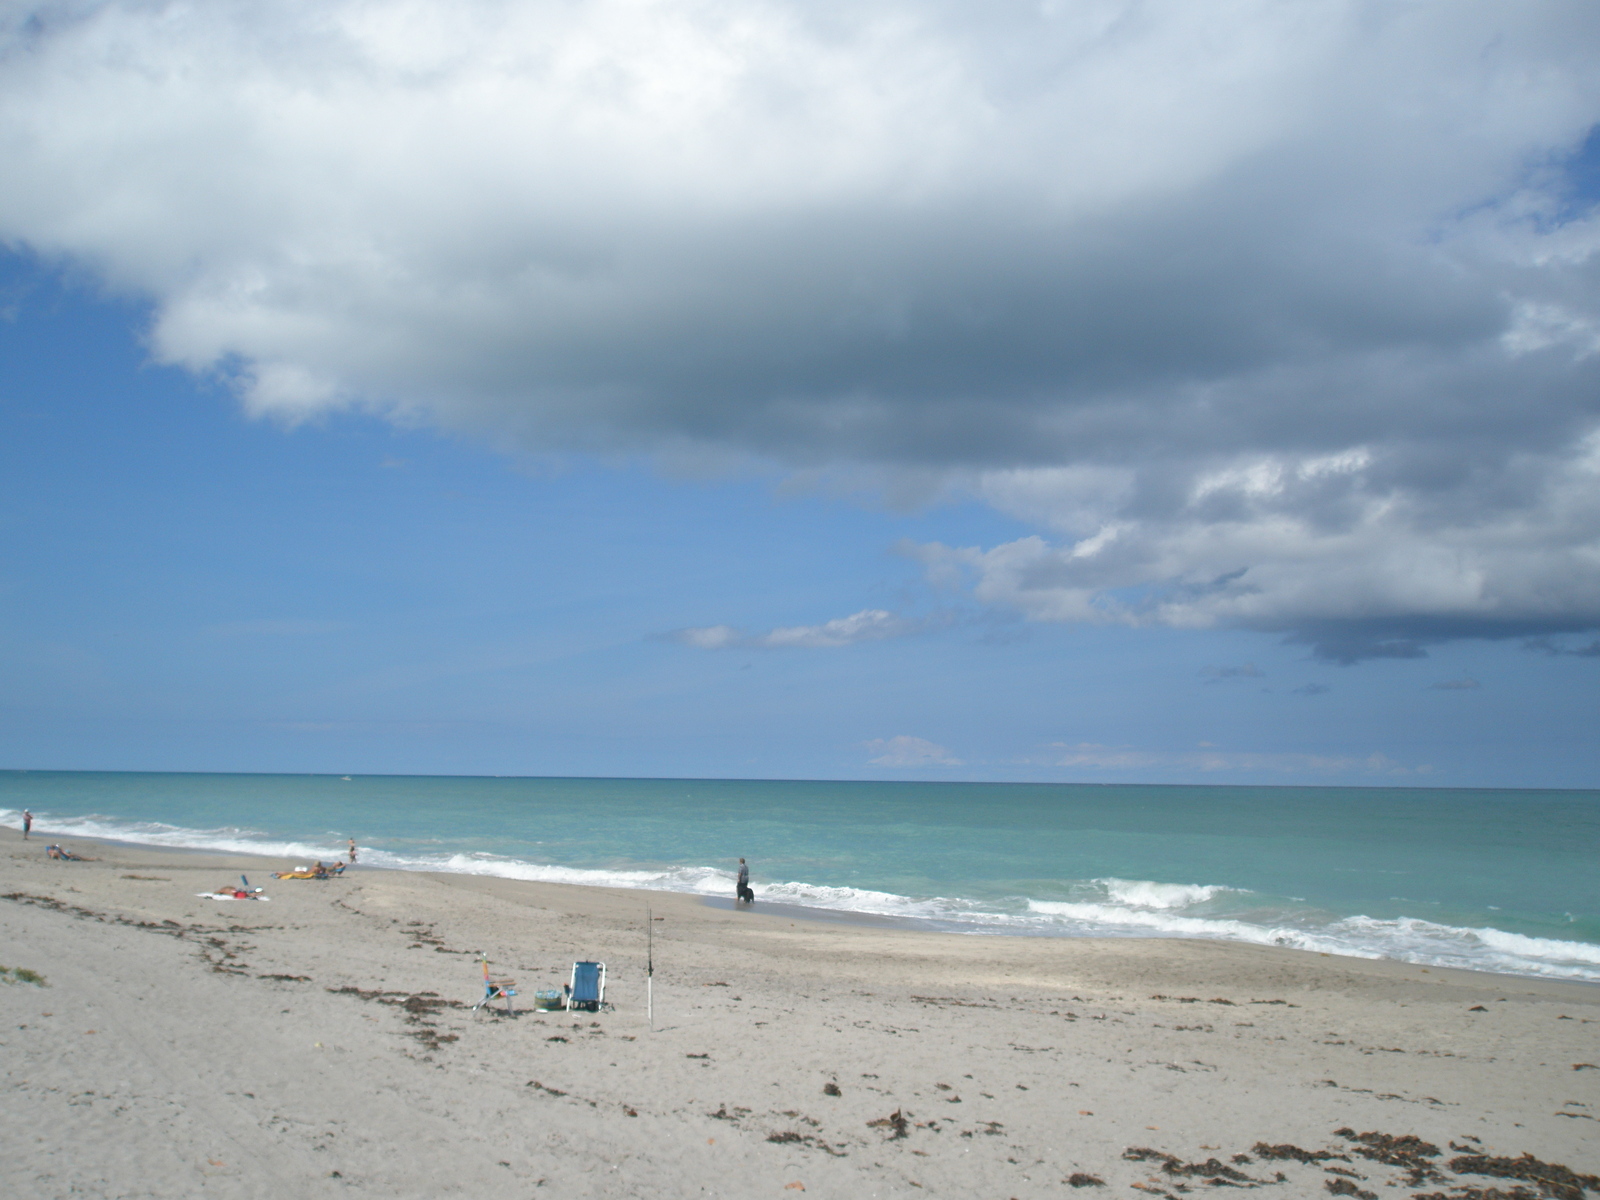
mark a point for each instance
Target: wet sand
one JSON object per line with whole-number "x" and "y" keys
{"x": 322, "y": 1043}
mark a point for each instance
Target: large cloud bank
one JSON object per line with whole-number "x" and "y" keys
{"x": 1277, "y": 315}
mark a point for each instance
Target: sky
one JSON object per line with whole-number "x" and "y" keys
{"x": 1107, "y": 391}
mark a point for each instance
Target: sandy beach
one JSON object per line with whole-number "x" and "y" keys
{"x": 323, "y": 1042}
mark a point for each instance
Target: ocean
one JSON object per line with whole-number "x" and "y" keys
{"x": 1493, "y": 880}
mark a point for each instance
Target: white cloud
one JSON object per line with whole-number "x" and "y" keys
{"x": 1089, "y": 754}
{"x": 711, "y": 637}
{"x": 907, "y": 751}
{"x": 868, "y": 625}
{"x": 1272, "y": 315}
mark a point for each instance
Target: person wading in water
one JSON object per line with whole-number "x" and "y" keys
{"x": 744, "y": 893}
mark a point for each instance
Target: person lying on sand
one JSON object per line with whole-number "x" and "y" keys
{"x": 230, "y": 891}
{"x": 66, "y": 855}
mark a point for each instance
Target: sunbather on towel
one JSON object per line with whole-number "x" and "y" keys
{"x": 66, "y": 855}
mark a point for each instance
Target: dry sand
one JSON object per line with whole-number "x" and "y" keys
{"x": 323, "y": 1044}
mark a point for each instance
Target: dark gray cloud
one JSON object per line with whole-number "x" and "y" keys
{"x": 1351, "y": 641}
{"x": 1549, "y": 646}
{"x": 1277, "y": 317}
{"x": 1248, "y": 671}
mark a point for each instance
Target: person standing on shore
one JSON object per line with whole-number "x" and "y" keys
{"x": 27, "y": 824}
{"x": 744, "y": 893}
{"x": 352, "y": 850}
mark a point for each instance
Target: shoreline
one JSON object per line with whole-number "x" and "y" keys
{"x": 325, "y": 1041}
{"x": 799, "y": 912}
{"x": 575, "y": 898}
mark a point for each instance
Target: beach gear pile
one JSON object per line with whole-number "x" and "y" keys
{"x": 320, "y": 871}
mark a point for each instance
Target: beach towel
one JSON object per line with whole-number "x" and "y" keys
{"x": 228, "y": 896}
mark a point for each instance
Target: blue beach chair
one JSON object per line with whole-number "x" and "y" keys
{"x": 588, "y": 987}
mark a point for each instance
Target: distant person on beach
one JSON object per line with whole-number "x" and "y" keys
{"x": 27, "y": 823}
{"x": 352, "y": 849}
{"x": 744, "y": 893}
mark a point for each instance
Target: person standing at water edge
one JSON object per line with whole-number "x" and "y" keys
{"x": 27, "y": 824}
{"x": 352, "y": 849}
{"x": 744, "y": 893}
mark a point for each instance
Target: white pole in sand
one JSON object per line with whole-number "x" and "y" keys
{"x": 649, "y": 969}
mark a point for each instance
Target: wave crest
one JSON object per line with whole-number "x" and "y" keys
{"x": 1146, "y": 893}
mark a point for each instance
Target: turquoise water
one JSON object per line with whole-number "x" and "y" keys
{"x": 1497, "y": 880}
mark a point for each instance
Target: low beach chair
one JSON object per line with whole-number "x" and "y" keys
{"x": 588, "y": 987}
{"x": 495, "y": 989}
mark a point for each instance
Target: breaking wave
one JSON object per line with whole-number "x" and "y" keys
{"x": 1108, "y": 907}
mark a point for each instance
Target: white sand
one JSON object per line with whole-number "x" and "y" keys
{"x": 188, "y": 1047}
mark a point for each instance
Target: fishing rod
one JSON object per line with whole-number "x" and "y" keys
{"x": 649, "y": 969}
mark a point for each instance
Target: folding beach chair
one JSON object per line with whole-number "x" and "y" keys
{"x": 588, "y": 987}
{"x": 496, "y": 989}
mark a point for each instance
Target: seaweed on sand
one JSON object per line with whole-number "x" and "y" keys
{"x": 895, "y": 1121}
{"x": 1552, "y": 1179}
{"x": 1406, "y": 1151}
{"x": 1343, "y": 1187}
{"x": 1284, "y": 1151}
{"x": 1171, "y": 1164}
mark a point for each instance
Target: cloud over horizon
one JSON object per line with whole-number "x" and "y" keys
{"x": 1208, "y": 759}
{"x": 1275, "y": 317}
{"x": 907, "y": 751}
{"x": 868, "y": 625}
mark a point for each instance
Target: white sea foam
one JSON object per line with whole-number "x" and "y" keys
{"x": 230, "y": 840}
{"x": 1544, "y": 948}
{"x": 865, "y": 900}
{"x": 1144, "y": 893}
{"x": 1106, "y": 907}
{"x": 668, "y": 879}
{"x": 1407, "y": 939}
{"x": 1102, "y": 919}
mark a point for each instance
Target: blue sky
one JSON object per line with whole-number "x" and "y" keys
{"x": 946, "y": 440}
